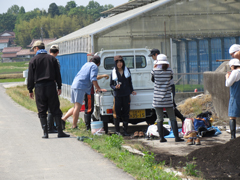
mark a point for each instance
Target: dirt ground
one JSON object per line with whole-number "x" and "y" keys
{"x": 216, "y": 158}
{"x": 219, "y": 161}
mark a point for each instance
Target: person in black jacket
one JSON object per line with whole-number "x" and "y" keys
{"x": 52, "y": 128}
{"x": 121, "y": 83}
{"x": 43, "y": 74}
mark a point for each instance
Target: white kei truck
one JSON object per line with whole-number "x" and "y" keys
{"x": 140, "y": 65}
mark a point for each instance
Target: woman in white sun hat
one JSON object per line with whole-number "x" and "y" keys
{"x": 233, "y": 81}
{"x": 234, "y": 50}
{"x": 161, "y": 76}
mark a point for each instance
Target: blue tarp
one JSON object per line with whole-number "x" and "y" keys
{"x": 171, "y": 135}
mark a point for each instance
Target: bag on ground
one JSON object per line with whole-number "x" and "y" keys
{"x": 187, "y": 125}
{"x": 153, "y": 131}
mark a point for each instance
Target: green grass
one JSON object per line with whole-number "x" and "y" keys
{"x": 12, "y": 80}
{"x": 188, "y": 87}
{"x": 141, "y": 167}
{"x": 20, "y": 95}
{"x": 13, "y": 67}
{"x": 12, "y": 70}
{"x": 190, "y": 169}
{"x": 15, "y": 64}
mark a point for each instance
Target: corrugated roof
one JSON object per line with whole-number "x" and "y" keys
{"x": 12, "y": 55}
{"x": 11, "y": 49}
{"x": 45, "y": 41}
{"x": 4, "y": 40}
{"x": 8, "y": 32}
{"x": 109, "y": 22}
{"x": 127, "y": 6}
{"x": 24, "y": 52}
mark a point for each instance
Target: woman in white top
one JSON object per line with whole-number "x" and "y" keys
{"x": 233, "y": 81}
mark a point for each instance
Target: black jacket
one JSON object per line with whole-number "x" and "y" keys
{"x": 43, "y": 68}
{"x": 126, "y": 87}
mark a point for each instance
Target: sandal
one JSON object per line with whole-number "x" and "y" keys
{"x": 141, "y": 134}
{"x": 136, "y": 134}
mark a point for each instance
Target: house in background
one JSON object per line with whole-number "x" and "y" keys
{"x": 6, "y": 39}
{"x": 25, "y": 54}
{"x": 45, "y": 41}
{"x": 10, "y": 53}
{"x": 4, "y": 43}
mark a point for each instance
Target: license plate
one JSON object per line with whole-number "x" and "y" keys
{"x": 137, "y": 114}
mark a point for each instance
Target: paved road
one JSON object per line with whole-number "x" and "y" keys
{"x": 24, "y": 155}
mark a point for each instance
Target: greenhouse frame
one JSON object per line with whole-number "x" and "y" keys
{"x": 192, "y": 33}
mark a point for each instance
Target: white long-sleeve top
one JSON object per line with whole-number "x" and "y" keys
{"x": 234, "y": 77}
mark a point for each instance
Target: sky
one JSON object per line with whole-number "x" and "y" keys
{"x": 44, "y": 4}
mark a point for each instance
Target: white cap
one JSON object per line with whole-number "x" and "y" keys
{"x": 161, "y": 59}
{"x": 234, "y": 62}
{"x": 54, "y": 47}
{"x": 234, "y": 48}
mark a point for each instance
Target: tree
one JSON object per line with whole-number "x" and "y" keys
{"x": 70, "y": 5}
{"x": 53, "y": 10}
{"x": 7, "y": 22}
{"x": 14, "y": 9}
{"x": 35, "y": 33}
{"x": 106, "y": 7}
{"x": 22, "y": 10}
{"x": 61, "y": 10}
{"x": 93, "y": 5}
{"x": 44, "y": 13}
{"x": 31, "y": 15}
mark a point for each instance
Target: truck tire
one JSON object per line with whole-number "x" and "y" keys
{"x": 151, "y": 120}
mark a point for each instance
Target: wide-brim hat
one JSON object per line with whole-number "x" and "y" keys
{"x": 234, "y": 62}
{"x": 234, "y": 48}
{"x": 161, "y": 59}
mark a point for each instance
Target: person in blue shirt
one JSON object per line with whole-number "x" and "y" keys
{"x": 82, "y": 84}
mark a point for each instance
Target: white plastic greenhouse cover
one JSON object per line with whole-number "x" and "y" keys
{"x": 85, "y": 34}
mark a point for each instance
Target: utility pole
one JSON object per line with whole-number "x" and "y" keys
{"x": 41, "y": 34}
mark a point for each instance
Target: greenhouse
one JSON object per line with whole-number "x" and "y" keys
{"x": 192, "y": 33}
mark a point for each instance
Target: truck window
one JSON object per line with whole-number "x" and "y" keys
{"x": 129, "y": 62}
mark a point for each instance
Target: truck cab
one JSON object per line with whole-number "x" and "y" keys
{"x": 140, "y": 66}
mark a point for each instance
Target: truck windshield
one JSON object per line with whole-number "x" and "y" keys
{"x": 129, "y": 62}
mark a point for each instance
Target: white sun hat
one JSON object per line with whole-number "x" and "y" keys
{"x": 234, "y": 62}
{"x": 161, "y": 59}
{"x": 234, "y": 48}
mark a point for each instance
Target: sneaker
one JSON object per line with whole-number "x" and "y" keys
{"x": 197, "y": 141}
{"x": 141, "y": 134}
{"x": 191, "y": 134}
{"x": 190, "y": 141}
{"x": 136, "y": 134}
